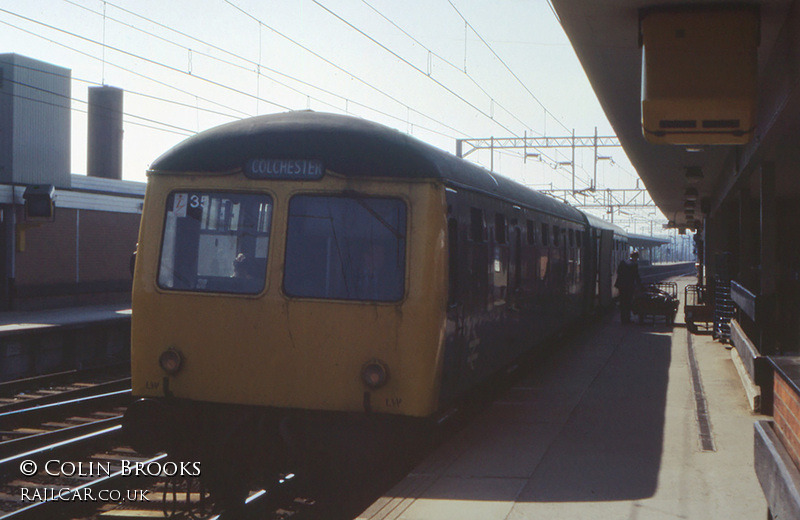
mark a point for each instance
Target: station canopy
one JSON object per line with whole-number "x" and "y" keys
{"x": 645, "y": 241}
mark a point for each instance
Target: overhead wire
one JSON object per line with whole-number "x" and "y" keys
{"x": 125, "y": 69}
{"x": 195, "y": 76}
{"x": 226, "y": 61}
{"x": 347, "y": 100}
{"x": 164, "y": 127}
{"x": 145, "y": 59}
{"x": 258, "y": 67}
{"x": 513, "y": 74}
{"x": 127, "y": 91}
{"x": 201, "y": 53}
{"x": 407, "y": 62}
{"x": 414, "y": 67}
{"x": 445, "y": 61}
{"x": 342, "y": 69}
{"x": 517, "y": 78}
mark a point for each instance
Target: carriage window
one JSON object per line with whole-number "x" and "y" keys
{"x": 215, "y": 242}
{"x": 500, "y": 229}
{"x": 556, "y": 235}
{"x": 531, "y": 233}
{"x": 346, "y": 248}
{"x": 545, "y": 234}
{"x": 477, "y": 225}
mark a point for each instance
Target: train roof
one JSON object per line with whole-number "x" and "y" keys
{"x": 597, "y": 222}
{"x": 346, "y": 145}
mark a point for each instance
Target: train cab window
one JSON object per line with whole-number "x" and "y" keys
{"x": 215, "y": 242}
{"x": 346, "y": 248}
{"x": 477, "y": 225}
{"x": 500, "y": 229}
{"x": 531, "y": 233}
{"x": 545, "y": 234}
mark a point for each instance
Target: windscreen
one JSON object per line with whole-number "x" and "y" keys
{"x": 349, "y": 248}
{"x": 215, "y": 242}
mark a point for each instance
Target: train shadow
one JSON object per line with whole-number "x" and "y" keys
{"x": 610, "y": 446}
{"x": 586, "y": 424}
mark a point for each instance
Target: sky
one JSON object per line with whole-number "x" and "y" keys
{"x": 437, "y": 69}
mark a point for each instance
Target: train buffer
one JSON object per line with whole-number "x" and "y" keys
{"x": 642, "y": 422}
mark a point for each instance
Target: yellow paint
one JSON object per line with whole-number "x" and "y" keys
{"x": 272, "y": 350}
{"x": 21, "y": 234}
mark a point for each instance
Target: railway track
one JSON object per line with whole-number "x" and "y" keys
{"x": 17, "y": 395}
{"x": 62, "y": 455}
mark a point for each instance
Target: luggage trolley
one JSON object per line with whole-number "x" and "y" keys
{"x": 697, "y": 308}
{"x": 657, "y": 299}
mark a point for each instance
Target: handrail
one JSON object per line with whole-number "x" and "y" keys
{"x": 744, "y": 299}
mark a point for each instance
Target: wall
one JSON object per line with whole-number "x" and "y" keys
{"x": 787, "y": 417}
{"x": 82, "y": 257}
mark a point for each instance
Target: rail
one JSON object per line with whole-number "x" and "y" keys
{"x": 16, "y": 417}
{"x": 109, "y": 387}
{"x": 66, "y": 445}
{"x": 46, "y": 509}
{"x": 65, "y": 378}
{"x": 11, "y": 448}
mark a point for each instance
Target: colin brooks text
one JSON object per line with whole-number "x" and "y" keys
{"x": 58, "y": 468}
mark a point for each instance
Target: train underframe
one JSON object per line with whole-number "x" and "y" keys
{"x": 241, "y": 448}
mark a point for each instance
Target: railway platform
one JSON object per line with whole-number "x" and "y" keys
{"x": 625, "y": 421}
{"x": 26, "y": 321}
{"x": 40, "y": 342}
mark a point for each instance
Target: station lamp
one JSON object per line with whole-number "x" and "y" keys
{"x": 40, "y": 202}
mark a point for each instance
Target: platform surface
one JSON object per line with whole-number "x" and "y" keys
{"x": 610, "y": 427}
{"x": 16, "y": 321}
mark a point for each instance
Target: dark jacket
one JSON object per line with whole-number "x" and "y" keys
{"x": 628, "y": 276}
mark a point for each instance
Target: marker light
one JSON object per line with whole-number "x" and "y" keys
{"x": 374, "y": 374}
{"x": 170, "y": 361}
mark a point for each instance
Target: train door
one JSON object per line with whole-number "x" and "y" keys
{"x": 515, "y": 269}
{"x": 454, "y": 341}
{"x": 605, "y": 266}
{"x": 500, "y": 261}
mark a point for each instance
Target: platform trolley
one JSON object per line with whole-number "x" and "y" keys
{"x": 657, "y": 300}
{"x": 697, "y": 307}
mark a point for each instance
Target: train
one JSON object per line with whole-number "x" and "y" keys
{"x": 307, "y": 280}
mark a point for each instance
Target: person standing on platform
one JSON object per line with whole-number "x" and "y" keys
{"x": 628, "y": 282}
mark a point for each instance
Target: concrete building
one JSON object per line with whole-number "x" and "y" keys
{"x": 80, "y": 255}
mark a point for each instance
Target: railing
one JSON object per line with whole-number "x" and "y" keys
{"x": 746, "y": 339}
{"x": 744, "y": 300}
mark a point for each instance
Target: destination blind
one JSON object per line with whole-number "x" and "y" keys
{"x": 295, "y": 169}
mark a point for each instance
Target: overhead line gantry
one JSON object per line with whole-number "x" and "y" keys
{"x": 633, "y": 197}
